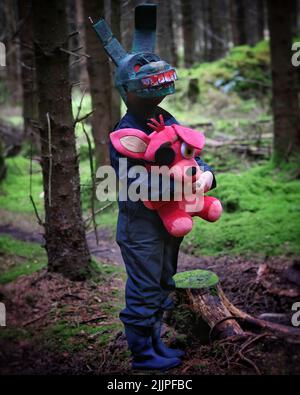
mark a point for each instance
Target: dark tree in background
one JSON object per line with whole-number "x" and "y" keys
{"x": 115, "y": 19}
{"x": 285, "y": 84}
{"x": 247, "y": 21}
{"x": 13, "y": 69}
{"x": 188, "y": 32}
{"x": 217, "y": 31}
{"x": 166, "y": 46}
{"x": 80, "y": 22}
{"x": 25, "y": 38}
{"x": 254, "y": 21}
{"x": 64, "y": 229}
{"x": 237, "y": 12}
{"x": 100, "y": 83}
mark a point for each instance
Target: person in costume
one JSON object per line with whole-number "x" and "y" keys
{"x": 149, "y": 252}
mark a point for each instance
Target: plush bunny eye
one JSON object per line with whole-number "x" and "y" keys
{"x": 187, "y": 151}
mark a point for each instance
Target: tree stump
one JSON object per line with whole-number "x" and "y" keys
{"x": 202, "y": 289}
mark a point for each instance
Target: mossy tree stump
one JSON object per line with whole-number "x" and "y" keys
{"x": 204, "y": 294}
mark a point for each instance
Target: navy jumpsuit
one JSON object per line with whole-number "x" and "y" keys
{"x": 149, "y": 252}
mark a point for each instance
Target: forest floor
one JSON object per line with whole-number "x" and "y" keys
{"x": 55, "y": 326}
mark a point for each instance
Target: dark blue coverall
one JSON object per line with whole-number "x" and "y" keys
{"x": 149, "y": 252}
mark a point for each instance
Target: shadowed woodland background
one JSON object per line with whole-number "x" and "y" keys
{"x": 61, "y": 274}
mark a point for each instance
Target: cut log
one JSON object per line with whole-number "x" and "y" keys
{"x": 202, "y": 289}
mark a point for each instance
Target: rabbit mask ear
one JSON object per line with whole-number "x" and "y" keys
{"x": 131, "y": 143}
{"x": 145, "y": 28}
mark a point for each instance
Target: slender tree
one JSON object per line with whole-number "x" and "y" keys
{"x": 188, "y": 32}
{"x": 115, "y": 18}
{"x": 29, "y": 103}
{"x": 285, "y": 84}
{"x": 100, "y": 83}
{"x": 217, "y": 29}
{"x": 82, "y": 63}
{"x": 238, "y": 14}
{"x": 165, "y": 34}
{"x": 247, "y": 21}
{"x": 64, "y": 229}
{"x": 254, "y": 21}
{"x": 13, "y": 69}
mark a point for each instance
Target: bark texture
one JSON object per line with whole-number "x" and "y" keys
{"x": 284, "y": 82}
{"x": 64, "y": 229}
{"x": 100, "y": 84}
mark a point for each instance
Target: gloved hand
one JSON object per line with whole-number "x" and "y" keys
{"x": 204, "y": 182}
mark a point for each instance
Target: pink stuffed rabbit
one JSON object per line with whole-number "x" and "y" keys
{"x": 175, "y": 146}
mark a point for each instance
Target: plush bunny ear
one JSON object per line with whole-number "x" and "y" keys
{"x": 130, "y": 142}
{"x": 190, "y": 136}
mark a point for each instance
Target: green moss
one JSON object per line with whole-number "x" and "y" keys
{"x": 19, "y": 258}
{"x": 198, "y": 279}
{"x": 261, "y": 215}
{"x": 65, "y": 336}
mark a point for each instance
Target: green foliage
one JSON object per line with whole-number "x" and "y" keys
{"x": 14, "y": 190}
{"x": 239, "y": 83}
{"x": 199, "y": 279}
{"x": 20, "y": 258}
{"x": 261, "y": 215}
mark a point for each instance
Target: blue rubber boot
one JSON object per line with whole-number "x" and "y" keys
{"x": 159, "y": 347}
{"x": 143, "y": 356}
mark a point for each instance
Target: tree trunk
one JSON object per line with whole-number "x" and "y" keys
{"x": 13, "y": 70}
{"x": 237, "y": 16}
{"x": 254, "y": 21}
{"x": 64, "y": 229}
{"x": 100, "y": 83}
{"x": 284, "y": 82}
{"x": 30, "y": 102}
{"x": 115, "y": 95}
{"x": 188, "y": 32}
{"x": 205, "y": 30}
{"x": 165, "y": 35}
{"x": 83, "y": 74}
{"x": 217, "y": 29}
